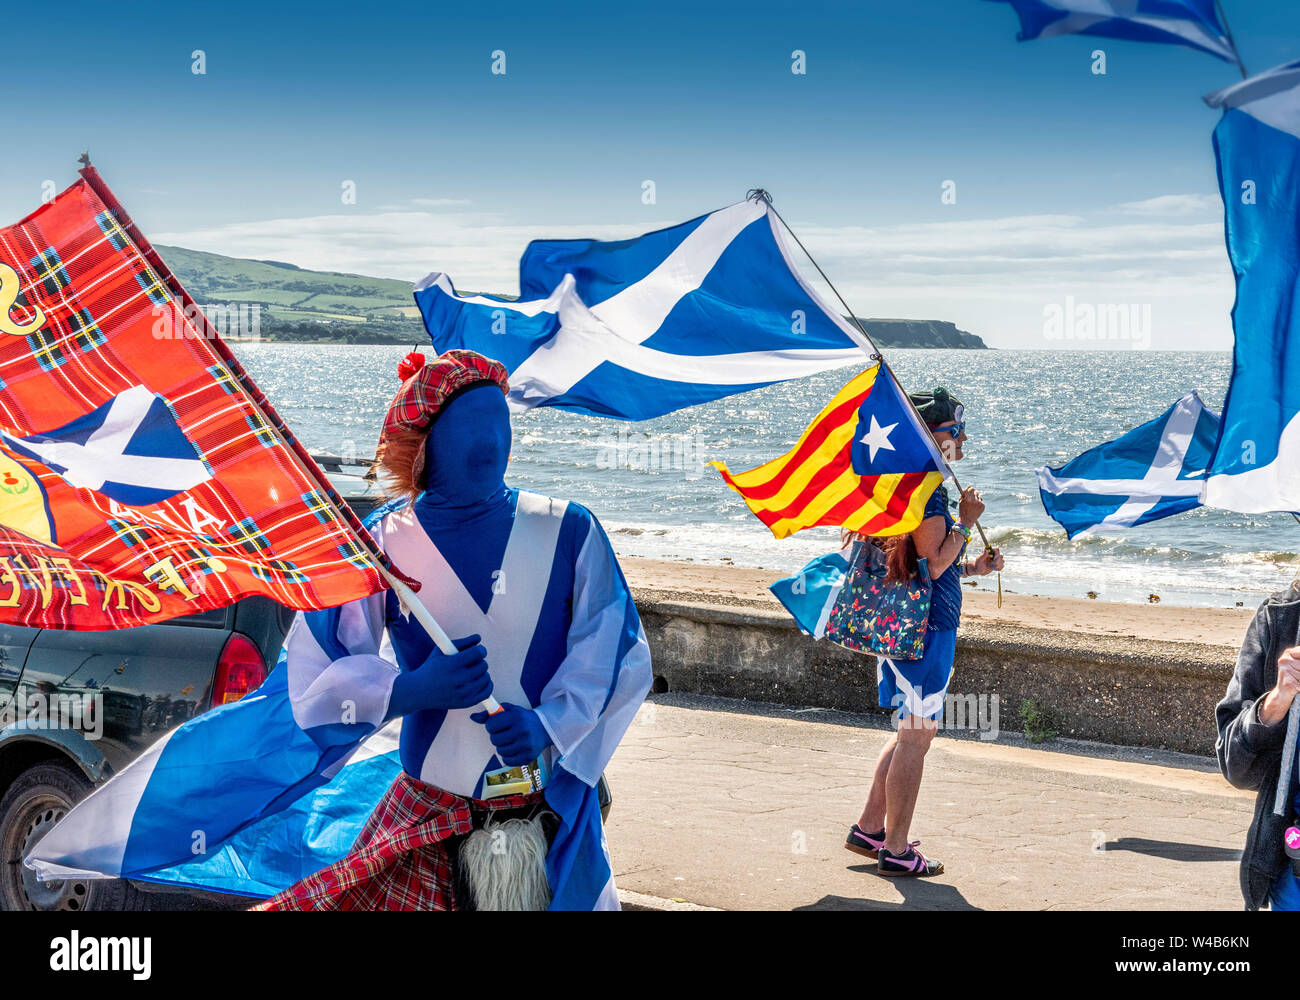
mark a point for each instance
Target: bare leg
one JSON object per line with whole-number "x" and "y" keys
{"x": 873, "y": 813}
{"x": 906, "y": 766}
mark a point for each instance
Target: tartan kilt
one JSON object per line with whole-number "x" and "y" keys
{"x": 403, "y": 858}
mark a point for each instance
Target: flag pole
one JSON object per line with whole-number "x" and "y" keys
{"x": 762, "y": 195}
{"x": 398, "y": 581}
{"x": 1231, "y": 41}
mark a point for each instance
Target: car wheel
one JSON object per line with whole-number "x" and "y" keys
{"x": 38, "y": 798}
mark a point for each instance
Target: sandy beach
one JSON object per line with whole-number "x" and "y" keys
{"x": 740, "y": 586}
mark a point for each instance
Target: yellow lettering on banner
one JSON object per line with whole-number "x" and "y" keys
{"x": 163, "y": 574}
{"x": 114, "y": 587}
{"x": 8, "y": 576}
{"x": 10, "y": 287}
{"x": 43, "y": 582}
{"x": 76, "y": 592}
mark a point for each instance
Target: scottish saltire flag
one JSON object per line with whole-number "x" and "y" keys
{"x": 1153, "y": 471}
{"x": 1193, "y": 23}
{"x": 280, "y": 783}
{"x": 1256, "y": 465}
{"x": 130, "y": 449}
{"x": 638, "y": 328}
{"x": 142, "y": 473}
{"x": 811, "y": 593}
{"x": 866, "y": 463}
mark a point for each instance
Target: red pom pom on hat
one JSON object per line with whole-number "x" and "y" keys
{"x": 409, "y": 365}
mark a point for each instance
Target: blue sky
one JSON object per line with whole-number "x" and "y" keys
{"x": 1068, "y": 184}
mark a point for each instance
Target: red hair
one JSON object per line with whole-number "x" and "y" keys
{"x": 396, "y": 462}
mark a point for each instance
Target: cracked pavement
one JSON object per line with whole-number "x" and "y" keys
{"x": 736, "y": 805}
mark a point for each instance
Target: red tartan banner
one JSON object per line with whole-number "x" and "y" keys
{"x": 142, "y": 473}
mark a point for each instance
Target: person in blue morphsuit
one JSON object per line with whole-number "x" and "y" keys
{"x": 547, "y": 627}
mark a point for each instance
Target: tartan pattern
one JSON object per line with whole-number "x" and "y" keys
{"x": 423, "y": 394}
{"x": 108, "y": 225}
{"x": 45, "y": 349}
{"x": 86, "y": 333}
{"x": 403, "y": 858}
{"x": 50, "y": 272}
{"x": 79, "y": 261}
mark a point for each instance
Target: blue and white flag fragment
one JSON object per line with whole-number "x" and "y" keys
{"x": 1153, "y": 471}
{"x": 1193, "y": 23}
{"x": 130, "y": 449}
{"x": 811, "y": 593}
{"x": 1256, "y": 466}
{"x": 638, "y": 328}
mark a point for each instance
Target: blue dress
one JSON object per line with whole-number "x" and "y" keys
{"x": 920, "y": 687}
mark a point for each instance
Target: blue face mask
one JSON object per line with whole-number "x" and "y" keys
{"x": 467, "y": 449}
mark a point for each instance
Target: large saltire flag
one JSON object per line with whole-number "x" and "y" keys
{"x": 638, "y": 328}
{"x": 866, "y": 463}
{"x": 1196, "y": 24}
{"x": 142, "y": 473}
{"x": 1256, "y": 464}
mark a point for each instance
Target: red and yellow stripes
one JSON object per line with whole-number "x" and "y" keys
{"x": 814, "y": 483}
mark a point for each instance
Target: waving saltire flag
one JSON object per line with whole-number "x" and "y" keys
{"x": 638, "y": 328}
{"x": 142, "y": 473}
{"x": 1153, "y": 471}
{"x": 866, "y": 463}
{"x": 1193, "y": 23}
{"x": 1256, "y": 466}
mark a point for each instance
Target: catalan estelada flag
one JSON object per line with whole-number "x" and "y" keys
{"x": 866, "y": 463}
{"x": 143, "y": 475}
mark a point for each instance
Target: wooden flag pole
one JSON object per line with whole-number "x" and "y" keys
{"x": 875, "y": 355}
{"x": 1231, "y": 41}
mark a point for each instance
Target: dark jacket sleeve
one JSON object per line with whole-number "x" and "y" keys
{"x": 1247, "y": 749}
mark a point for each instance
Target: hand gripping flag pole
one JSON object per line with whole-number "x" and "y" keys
{"x": 398, "y": 581}
{"x": 759, "y": 194}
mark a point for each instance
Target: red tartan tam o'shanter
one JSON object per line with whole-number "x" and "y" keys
{"x": 427, "y": 391}
{"x": 143, "y": 475}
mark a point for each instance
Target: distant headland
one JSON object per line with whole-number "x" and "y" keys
{"x": 273, "y": 301}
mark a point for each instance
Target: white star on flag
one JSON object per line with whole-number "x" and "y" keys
{"x": 878, "y": 438}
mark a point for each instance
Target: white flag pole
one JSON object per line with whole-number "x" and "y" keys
{"x": 411, "y": 602}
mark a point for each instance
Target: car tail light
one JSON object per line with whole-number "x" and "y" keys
{"x": 239, "y": 671}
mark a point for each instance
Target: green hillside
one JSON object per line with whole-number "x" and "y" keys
{"x": 328, "y": 307}
{"x": 301, "y": 305}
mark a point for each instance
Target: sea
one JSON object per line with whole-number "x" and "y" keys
{"x": 651, "y": 488}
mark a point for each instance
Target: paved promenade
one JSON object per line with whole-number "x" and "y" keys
{"x": 726, "y": 805}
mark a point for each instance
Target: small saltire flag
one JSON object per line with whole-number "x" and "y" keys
{"x": 866, "y": 463}
{"x": 1256, "y": 465}
{"x": 142, "y": 473}
{"x": 1153, "y": 471}
{"x": 811, "y": 593}
{"x": 638, "y": 328}
{"x": 1193, "y": 23}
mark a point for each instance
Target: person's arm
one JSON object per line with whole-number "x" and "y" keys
{"x": 937, "y": 545}
{"x": 1247, "y": 746}
{"x": 594, "y": 694}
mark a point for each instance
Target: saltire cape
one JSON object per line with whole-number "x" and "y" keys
{"x": 1195, "y": 24}
{"x": 637, "y": 328}
{"x": 1153, "y": 471}
{"x": 866, "y": 463}
{"x": 1256, "y": 463}
{"x": 253, "y": 796}
{"x": 810, "y": 594}
{"x": 143, "y": 475}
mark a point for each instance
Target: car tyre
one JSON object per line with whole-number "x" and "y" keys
{"x": 36, "y": 800}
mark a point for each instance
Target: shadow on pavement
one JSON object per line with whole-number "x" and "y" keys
{"x": 1172, "y": 850}
{"x": 917, "y": 893}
